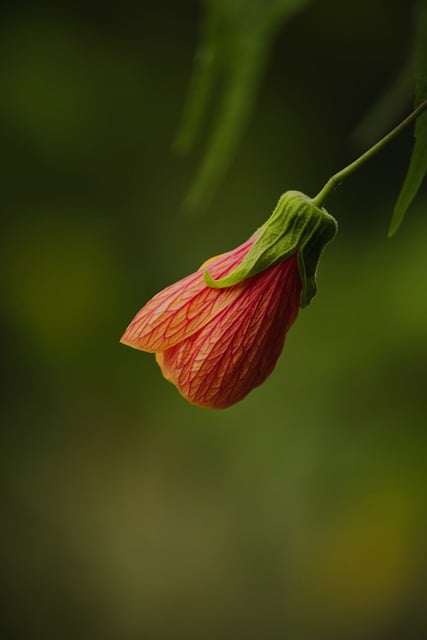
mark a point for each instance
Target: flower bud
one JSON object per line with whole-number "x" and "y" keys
{"x": 218, "y": 334}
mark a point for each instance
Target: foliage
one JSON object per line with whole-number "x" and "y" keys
{"x": 235, "y": 43}
{"x": 418, "y": 165}
{"x": 236, "y": 40}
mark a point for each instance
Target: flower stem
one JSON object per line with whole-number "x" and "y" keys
{"x": 353, "y": 166}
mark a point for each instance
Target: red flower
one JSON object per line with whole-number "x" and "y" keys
{"x": 216, "y": 345}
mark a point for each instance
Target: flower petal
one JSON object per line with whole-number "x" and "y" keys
{"x": 238, "y": 349}
{"x": 185, "y": 307}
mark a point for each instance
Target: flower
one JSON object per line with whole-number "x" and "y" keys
{"x": 217, "y": 334}
{"x": 216, "y": 345}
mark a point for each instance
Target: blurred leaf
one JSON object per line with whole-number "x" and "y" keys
{"x": 418, "y": 165}
{"x": 236, "y": 39}
{"x": 201, "y": 84}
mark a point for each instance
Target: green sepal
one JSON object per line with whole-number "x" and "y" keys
{"x": 295, "y": 226}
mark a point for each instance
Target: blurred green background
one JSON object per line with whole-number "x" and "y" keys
{"x": 299, "y": 513}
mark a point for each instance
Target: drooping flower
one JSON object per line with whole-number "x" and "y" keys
{"x": 217, "y": 334}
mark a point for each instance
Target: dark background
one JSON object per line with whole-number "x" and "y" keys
{"x": 299, "y": 513}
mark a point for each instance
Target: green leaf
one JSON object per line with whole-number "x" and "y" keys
{"x": 418, "y": 164}
{"x": 237, "y": 36}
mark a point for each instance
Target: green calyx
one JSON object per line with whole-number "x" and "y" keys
{"x": 295, "y": 226}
